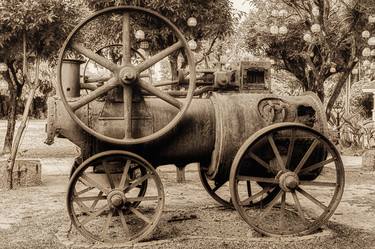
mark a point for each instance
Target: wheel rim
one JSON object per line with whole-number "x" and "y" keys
{"x": 110, "y": 203}
{"x": 127, "y": 76}
{"x": 220, "y": 191}
{"x": 304, "y": 165}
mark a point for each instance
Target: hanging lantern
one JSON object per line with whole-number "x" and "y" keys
{"x": 274, "y": 13}
{"x": 366, "y": 63}
{"x": 371, "y": 19}
{"x": 355, "y": 71}
{"x": 307, "y": 38}
{"x": 144, "y": 45}
{"x": 283, "y": 30}
{"x": 274, "y": 30}
{"x": 312, "y": 54}
{"x": 192, "y": 22}
{"x": 272, "y": 61}
{"x": 315, "y": 28}
{"x": 371, "y": 41}
{"x": 332, "y": 69}
{"x": 139, "y": 35}
{"x": 192, "y": 45}
{"x": 372, "y": 52}
{"x": 366, "y": 52}
{"x": 3, "y": 67}
{"x": 366, "y": 34}
{"x": 283, "y": 13}
{"x": 372, "y": 66}
{"x": 315, "y": 11}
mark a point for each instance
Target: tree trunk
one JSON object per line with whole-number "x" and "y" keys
{"x": 12, "y": 114}
{"x": 337, "y": 90}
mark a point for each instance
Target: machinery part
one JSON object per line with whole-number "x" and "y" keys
{"x": 107, "y": 198}
{"x": 127, "y": 76}
{"x": 303, "y": 163}
{"x": 112, "y": 49}
{"x": 220, "y": 191}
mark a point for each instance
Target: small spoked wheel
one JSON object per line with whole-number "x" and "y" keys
{"x": 219, "y": 191}
{"x": 302, "y": 165}
{"x": 115, "y": 197}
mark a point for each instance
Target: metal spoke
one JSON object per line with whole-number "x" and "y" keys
{"x": 282, "y": 211}
{"x": 216, "y": 188}
{"x": 84, "y": 190}
{"x": 306, "y": 156}
{"x": 89, "y": 181}
{"x": 95, "y": 57}
{"x": 165, "y": 83}
{"x": 123, "y": 222}
{"x": 106, "y": 169}
{"x": 94, "y": 215}
{"x": 124, "y": 176}
{"x": 96, "y": 201}
{"x": 311, "y": 198}
{"x": 140, "y": 215}
{"x": 290, "y": 149}
{"x": 269, "y": 207}
{"x": 258, "y": 179}
{"x": 317, "y": 165}
{"x": 299, "y": 208}
{"x": 259, "y": 160}
{"x": 137, "y": 182}
{"x": 107, "y": 223}
{"x": 318, "y": 184}
{"x": 159, "y": 56}
{"x": 128, "y": 102}
{"x": 276, "y": 152}
{"x": 97, "y": 80}
{"x": 144, "y": 198}
{"x": 91, "y": 198}
{"x": 158, "y": 93}
{"x": 112, "y": 83}
{"x": 248, "y": 187}
{"x": 126, "y": 42}
{"x": 249, "y": 200}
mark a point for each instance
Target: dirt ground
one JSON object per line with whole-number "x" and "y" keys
{"x": 36, "y": 217}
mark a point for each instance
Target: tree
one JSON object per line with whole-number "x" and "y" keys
{"x": 215, "y": 20}
{"x": 31, "y": 31}
{"x": 311, "y": 57}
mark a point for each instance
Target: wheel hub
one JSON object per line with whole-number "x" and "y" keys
{"x": 116, "y": 199}
{"x": 128, "y": 74}
{"x": 288, "y": 181}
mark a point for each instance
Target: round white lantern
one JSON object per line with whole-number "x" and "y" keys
{"x": 366, "y": 34}
{"x": 372, "y": 52}
{"x": 371, "y": 19}
{"x": 315, "y": 28}
{"x": 307, "y": 38}
{"x": 355, "y": 71}
{"x": 371, "y": 41}
{"x": 274, "y": 30}
{"x": 332, "y": 70}
{"x": 3, "y": 67}
{"x": 272, "y": 61}
{"x": 192, "y": 22}
{"x": 372, "y": 66}
{"x": 366, "y": 52}
{"x": 315, "y": 11}
{"x": 144, "y": 45}
{"x": 274, "y": 13}
{"x": 283, "y": 30}
{"x": 192, "y": 44}
{"x": 283, "y": 13}
{"x": 139, "y": 35}
{"x": 366, "y": 63}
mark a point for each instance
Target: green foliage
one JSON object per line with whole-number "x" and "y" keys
{"x": 45, "y": 22}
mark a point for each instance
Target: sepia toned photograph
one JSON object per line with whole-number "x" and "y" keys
{"x": 187, "y": 124}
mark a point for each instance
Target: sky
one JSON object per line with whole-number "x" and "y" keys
{"x": 242, "y": 5}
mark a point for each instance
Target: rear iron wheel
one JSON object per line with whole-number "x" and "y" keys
{"x": 115, "y": 197}
{"x": 302, "y": 164}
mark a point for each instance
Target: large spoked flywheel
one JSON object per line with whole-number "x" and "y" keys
{"x": 302, "y": 164}
{"x": 115, "y": 197}
{"x": 124, "y": 74}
